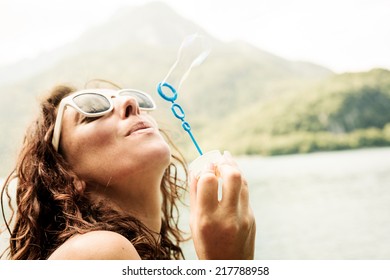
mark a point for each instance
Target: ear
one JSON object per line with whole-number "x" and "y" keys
{"x": 79, "y": 185}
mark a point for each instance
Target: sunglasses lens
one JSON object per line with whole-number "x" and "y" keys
{"x": 92, "y": 103}
{"x": 144, "y": 101}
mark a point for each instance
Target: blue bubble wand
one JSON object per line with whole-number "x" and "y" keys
{"x": 192, "y": 52}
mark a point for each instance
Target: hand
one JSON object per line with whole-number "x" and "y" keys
{"x": 222, "y": 229}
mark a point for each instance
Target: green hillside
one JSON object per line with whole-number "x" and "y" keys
{"x": 345, "y": 111}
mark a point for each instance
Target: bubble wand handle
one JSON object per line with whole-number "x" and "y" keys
{"x": 177, "y": 110}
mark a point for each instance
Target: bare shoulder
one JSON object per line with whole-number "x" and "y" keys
{"x": 96, "y": 245}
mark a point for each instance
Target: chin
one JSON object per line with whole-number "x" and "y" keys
{"x": 153, "y": 150}
{"x": 160, "y": 154}
{"x": 165, "y": 154}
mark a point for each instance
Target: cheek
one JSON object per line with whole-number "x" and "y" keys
{"x": 85, "y": 144}
{"x": 95, "y": 137}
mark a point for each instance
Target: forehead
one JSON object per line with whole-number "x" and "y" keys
{"x": 95, "y": 90}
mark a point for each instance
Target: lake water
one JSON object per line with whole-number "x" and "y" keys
{"x": 333, "y": 205}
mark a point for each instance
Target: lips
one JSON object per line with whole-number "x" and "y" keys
{"x": 138, "y": 126}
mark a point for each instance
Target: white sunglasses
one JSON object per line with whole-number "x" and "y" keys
{"x": 96, "y": 103}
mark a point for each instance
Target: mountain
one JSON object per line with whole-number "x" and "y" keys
{"x": 152, "y": 24}
{"x": 136, "y": 48}
{"x": 349, "y": 110}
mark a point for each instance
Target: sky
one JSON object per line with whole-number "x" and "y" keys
{"x": 343, "y": 35}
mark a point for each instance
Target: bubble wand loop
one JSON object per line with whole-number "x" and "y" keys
{"x": 178, "y": 111}
{"x": 186, "y": 47}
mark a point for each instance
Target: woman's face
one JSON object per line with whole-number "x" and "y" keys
{"x": 121, "y": 147}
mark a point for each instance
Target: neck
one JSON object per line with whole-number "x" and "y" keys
{"x": 146, "y": 209}
{"x": 141, "y": 198}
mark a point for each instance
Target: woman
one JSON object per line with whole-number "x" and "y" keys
{"x": 97, "y": 180}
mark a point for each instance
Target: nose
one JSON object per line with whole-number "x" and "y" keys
{"x": 127, "y": 106}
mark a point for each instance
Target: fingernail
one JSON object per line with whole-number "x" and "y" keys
{"x": 227, "y": 154}
{"x": 193, "y": 177}
{"x": 210, "y": 166}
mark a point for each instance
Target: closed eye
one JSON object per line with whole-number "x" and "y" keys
{"x": 86, "y": 119}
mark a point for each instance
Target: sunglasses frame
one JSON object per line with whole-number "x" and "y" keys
{"x": 107, "y": 93}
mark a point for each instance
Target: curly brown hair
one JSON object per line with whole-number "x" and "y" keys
{"x": 50, "y": 209}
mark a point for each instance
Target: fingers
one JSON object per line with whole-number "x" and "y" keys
{"x": 244, "y": 195}
{"x": 204, "y": 189}
{"x": 231, "y": 184}
{"x": 234, "y": 186}
{"x": 204, "y": 192}
{"x": 193, "y": 190}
